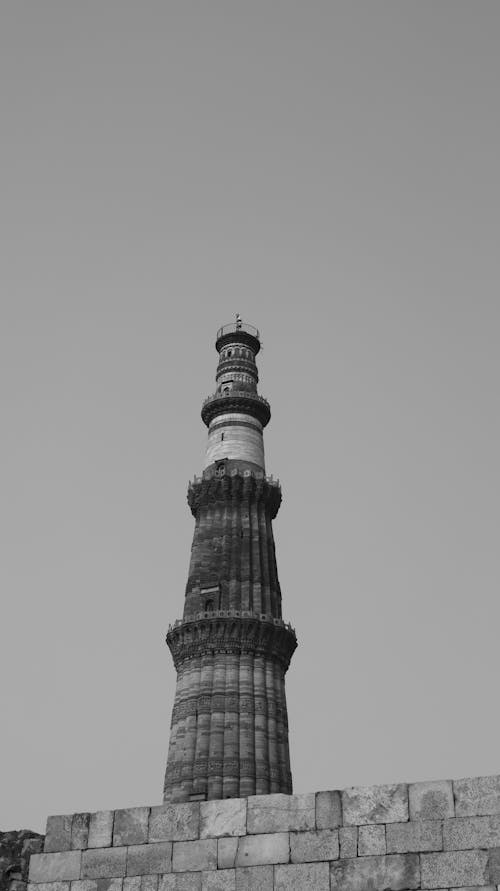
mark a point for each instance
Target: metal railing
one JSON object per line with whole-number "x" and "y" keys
{"x": 234, "y": 327}
{"x": 231, "y": 614}
{"x": 247, "y": 393}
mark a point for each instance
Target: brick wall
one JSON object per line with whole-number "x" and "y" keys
{"x": 420, "y": 836}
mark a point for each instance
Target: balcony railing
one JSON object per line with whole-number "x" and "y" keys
{"x": 230, "y": 614}
{"x": 246, "y": 393}
{"x": 238, "y": 326}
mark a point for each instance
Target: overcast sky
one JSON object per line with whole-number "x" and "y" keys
{"x": 330, "y": 171}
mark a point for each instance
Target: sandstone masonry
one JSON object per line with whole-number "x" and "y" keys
{"x": 435, "y": 835}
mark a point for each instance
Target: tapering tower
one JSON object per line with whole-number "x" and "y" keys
{"x": 231, "y": 649}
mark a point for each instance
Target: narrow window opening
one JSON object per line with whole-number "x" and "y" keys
{"x": 222, "y": 437}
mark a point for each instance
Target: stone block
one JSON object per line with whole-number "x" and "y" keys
{"x": 131, "y": 826}
{"x": 454, "y": 868}
{"x": 471, "y": 832}
{"x": 494, "y": 865}
{"x": 58, "y": 833}
{"x": 255, "y": 878}
{"x": 393, "y": 872}
{"x": 175, "y": 822}
{"x": 109, "y": 884}
{"x": 107, "y": 863}
{"x": 371, "y": 840}
{"x": 143, "y": 860}
{"x": 219, "y": 880}
{"x": 225, "y": 817}
{"x": 281, "y": 813}
{"x": 55, "y": 867}
{"x": 187, "y": 881}
{"x": 190, "y": 856}
{"x": 49, "y": 886}
{"x": 414, "y": 837}
{"x": 348, "y": 841}
{"x": 84, "y": 885}
{"x": 80, "y": 831}
{"x": 431, "y": 801}
{"x": 477, "y": 797}
{"x": 101, "y": 829}
{"x": 132, "y": 883}
{"x": 301, "y": 876}
{"x": 254, "y": 850}
{"x": 375, "y": 804}
{"x": 148, "y": 883}
{"x": 328, "y": 810}
{"x": 320, "y": 844}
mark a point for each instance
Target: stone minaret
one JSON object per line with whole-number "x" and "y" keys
{"x": 231, "y": 649}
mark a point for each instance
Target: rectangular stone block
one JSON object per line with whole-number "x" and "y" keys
{"x": 148, "y": 883}
{"x": 109, "y": 884}
{"x": 131, "y": 826}
{"x": 190, "y": 856}
{"x": 145, "y": 860}
{"x": 132, "y": 883}
{"x": 219, "y": 880}
{"x": 431, "y": 801}
{"x": 101, "y": 829}
{"x": 371, "y": 840}
{"x": 375, "y": 804}
{"x": 84, "y": 885}
{"x": 301, "y": 876}
{"x": 320, "y": 844}
{"x": 254, "y": 850}
{"x": 403, "y": 838}
{"x": 225, "y": 817}
{"x": 255, "y": 878}
{"x": 107, "y": 863}
{"x": 175, "y": 822}
{"x": 477, "y": 797}
{"x": 80, "y": 831}
{"x": 58, "y": 833}
{"x": 471, "y": 832}
{"x": 494, "y": 865}
{"x": 393, "y": 872}
{"x": 49, "y": 886}
{"x": 281, "y": 813}
{"x": 348, "y": 841}
{"x": 55, "y": 867}
{"x": 454, "y": 868}
{"x": 328, "y": 810}
{"x": 187, "y": 881}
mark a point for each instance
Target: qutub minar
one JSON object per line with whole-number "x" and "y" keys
{"x": 231, "y": 649}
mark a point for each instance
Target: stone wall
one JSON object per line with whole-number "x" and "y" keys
{"x": 421, "y": 836}
{"x": 16, "y": 848}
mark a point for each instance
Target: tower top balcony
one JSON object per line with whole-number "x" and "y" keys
{"x": 238, "y": 332}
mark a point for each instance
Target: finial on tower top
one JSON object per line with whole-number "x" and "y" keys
{"x": 238, "y": 321}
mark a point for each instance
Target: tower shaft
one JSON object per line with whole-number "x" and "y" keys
{"x": 231, "y": 649}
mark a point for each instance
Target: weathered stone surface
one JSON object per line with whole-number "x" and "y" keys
{"x": 320, "y": 844}
{"x": 216, "y": 880}
{"x": 132, "y": 883}
{"x": 402, "y": 838}
{"x": 371, "y": 840}
{"x": 328, "y": 810}
{"x": 431, "y": 801}
{"x": 477, "y": 797}
{"x": 55, "y": 867}
{"x": 348, "y": 841}
{"x": 187, "y": 881}
{"x": 281, "y": 813}
{"x": 16, "y": 847}
{"x": 454, "y": 868}
{"x": 471, "y": 832}
{"x": 49, "y": 886}
{"x": 494, "y": 865}
{"x": 58, "y": 833}
{"x": 255, "y": 878}
{"x": 301, "y": 876}
{"x": 394, "y": 872}
{"x": 145, "y": 860}
{"x": 107, "y": 863}
{"x": 254, "y": 850}
{"x": 148, "y": 883}
{"x": 84, "y": 885}
{"x": 131, "y": 826}
{"x": 175, "y": 822}
{"x": 375, "y": 804}
{"x": 227, "y": 817}
{"x": 189, "y": 856}
{"x": 80, "y": 831}
{"x": 109, "y": 884}
{"x": 101, "y": 829}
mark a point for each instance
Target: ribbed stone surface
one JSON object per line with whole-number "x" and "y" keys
{"x": 457, "y": 868}
{"x": 397, "y": 872}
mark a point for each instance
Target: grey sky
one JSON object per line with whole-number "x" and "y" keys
{"x": 330, "y": 171}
